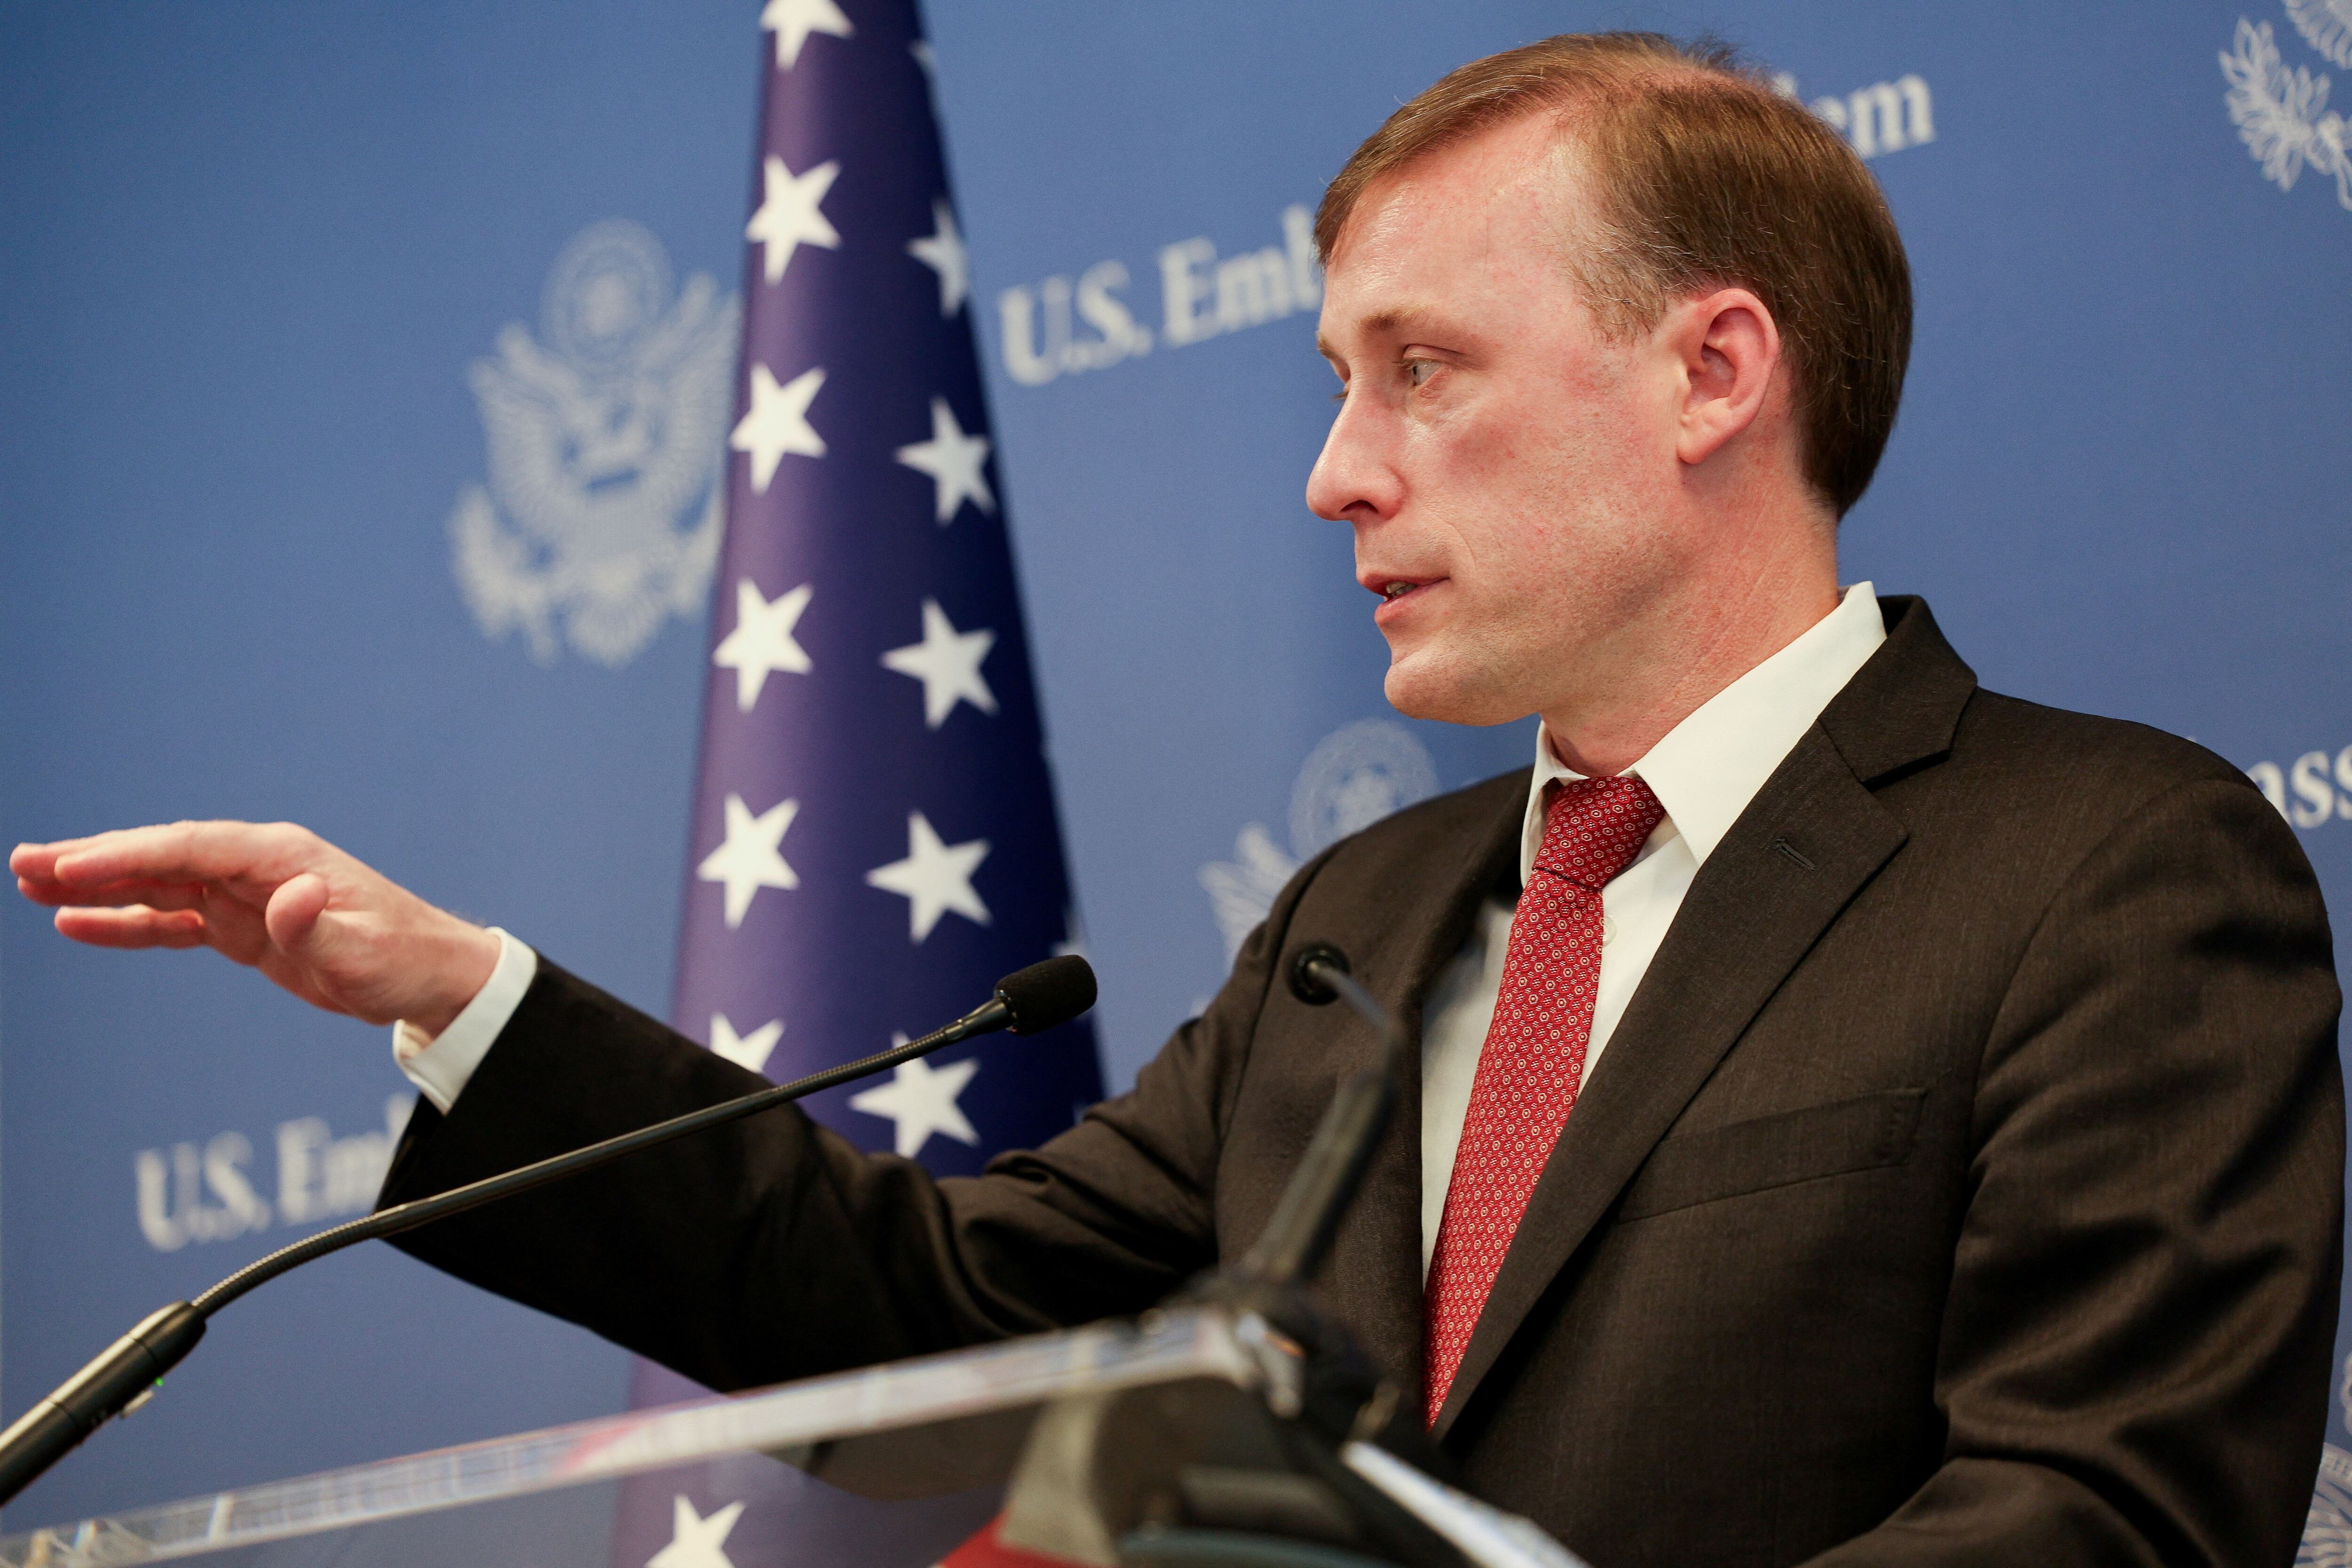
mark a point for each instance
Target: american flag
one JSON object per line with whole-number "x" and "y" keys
{"x": 874, "y": 841}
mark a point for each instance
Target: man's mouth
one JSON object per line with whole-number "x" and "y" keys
{"x": 1395, "y": 587}
{"x": 1395, "y": 592}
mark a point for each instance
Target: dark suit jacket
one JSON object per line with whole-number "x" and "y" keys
{"x": 1963, "y": 1183}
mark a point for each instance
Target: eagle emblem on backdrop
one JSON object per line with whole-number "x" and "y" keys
{"x": 2328, "y": 1527}
{"x": 2327, "y": 1530}
{"x": 607, "y": 434}
{"x": 1355, "y": 776}
{"x": 2281, "y": 111}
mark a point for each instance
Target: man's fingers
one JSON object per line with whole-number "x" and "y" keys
{"x": 33, "y": 860}
{"x": 135, "y": 928}
{"x": 179, "y": 853}
{"x": 275, "y": 896}
{"x": 38, "y": 861}
{"x": 117, "y": 894}
{"x": 41, "y": 890}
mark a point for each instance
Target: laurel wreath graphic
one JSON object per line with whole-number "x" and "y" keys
{"x": 2281, "y": 111}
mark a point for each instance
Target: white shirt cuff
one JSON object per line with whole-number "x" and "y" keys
{"x": 440, "y": 1067}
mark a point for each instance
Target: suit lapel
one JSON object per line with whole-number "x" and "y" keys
{"x": 1811, "y": 840}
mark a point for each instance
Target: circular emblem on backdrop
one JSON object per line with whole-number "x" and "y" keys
{"x": 1357, "y": 775}
{"x": 607, "y": 289}
{"x": 2327, "y": 1530}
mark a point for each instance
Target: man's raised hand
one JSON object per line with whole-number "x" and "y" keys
{"x": 273, "y": 896}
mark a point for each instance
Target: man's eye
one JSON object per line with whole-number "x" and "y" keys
{"x": 1419, "y": 371}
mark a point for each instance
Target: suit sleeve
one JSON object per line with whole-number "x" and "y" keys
{"x": 771, "y": 1248}
{"x": 2135, "y": 1356}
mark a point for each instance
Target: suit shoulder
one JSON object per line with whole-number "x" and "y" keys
{"x": 2047, "y": 783}
{"x": 2109, "y": 755}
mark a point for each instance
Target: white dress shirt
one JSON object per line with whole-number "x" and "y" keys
{"x": 1704, "y": 772}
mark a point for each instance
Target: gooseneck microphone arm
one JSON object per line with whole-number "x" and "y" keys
{"x": 1034, "y": 999}
{"x": 1303, "y": 1220}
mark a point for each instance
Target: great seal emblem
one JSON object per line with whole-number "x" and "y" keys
{"x": 601, "y": 517}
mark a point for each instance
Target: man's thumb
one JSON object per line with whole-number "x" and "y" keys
{"x": 294, "y": 909}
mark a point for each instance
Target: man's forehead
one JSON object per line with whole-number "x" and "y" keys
{"x": 1530, "y": 160}
{"x": 1505, "y": 196}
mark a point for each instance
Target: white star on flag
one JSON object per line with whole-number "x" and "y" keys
{"x": 922, "y": 1100}
{"x": 693, "y": 1540}
{"x": 794, "y": 20}
{"x": 934, "y": 878}
{"x": 749, "y": 860}
{"x": 789, "y": 215}
{"x": 947, "y": 663}
{"x": 777, "y": 423}
{"x": 953, "y": 459}
{"x": 762, "y": 640}
{"x": 744, "y": 1049}
{"x": 944, "y": 253}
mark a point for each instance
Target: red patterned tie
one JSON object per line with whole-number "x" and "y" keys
{"x": 1533, "y": 1061}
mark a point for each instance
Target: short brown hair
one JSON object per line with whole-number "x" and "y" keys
{"x": 1705, "y": 176}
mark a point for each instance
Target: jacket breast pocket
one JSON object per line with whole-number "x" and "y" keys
{"x": 1868, "y": 1133}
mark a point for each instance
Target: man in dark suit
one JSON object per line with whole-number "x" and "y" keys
{"x": 1862, "y": 1118}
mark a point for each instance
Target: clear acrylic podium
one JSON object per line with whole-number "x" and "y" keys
{"x": 895, "y": 1464}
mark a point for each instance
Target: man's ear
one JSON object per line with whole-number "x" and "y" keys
{"x": 1727, "y": 348}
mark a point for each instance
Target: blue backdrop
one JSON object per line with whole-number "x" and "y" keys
{"x": 255, "y": 252}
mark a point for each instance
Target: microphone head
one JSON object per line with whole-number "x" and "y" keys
{"x": 1307, "y": 985}
{"x": 1044, "y": 995}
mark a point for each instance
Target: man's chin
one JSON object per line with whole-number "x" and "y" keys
{"x": 1446, "y": 696}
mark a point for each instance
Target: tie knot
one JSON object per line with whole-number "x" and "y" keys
{"x": 1594, "y": 827}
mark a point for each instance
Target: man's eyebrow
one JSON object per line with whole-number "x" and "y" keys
{"x": 1395, "y": 321}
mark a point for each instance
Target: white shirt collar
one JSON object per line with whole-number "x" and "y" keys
{"x": 1708, "y": 768}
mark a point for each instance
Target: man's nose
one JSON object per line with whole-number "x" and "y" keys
{"x": 1355, "y": 478}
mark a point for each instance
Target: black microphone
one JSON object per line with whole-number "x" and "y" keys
{"x": 1029, "y": 1001}
{"x": 1309, "y": 1213}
